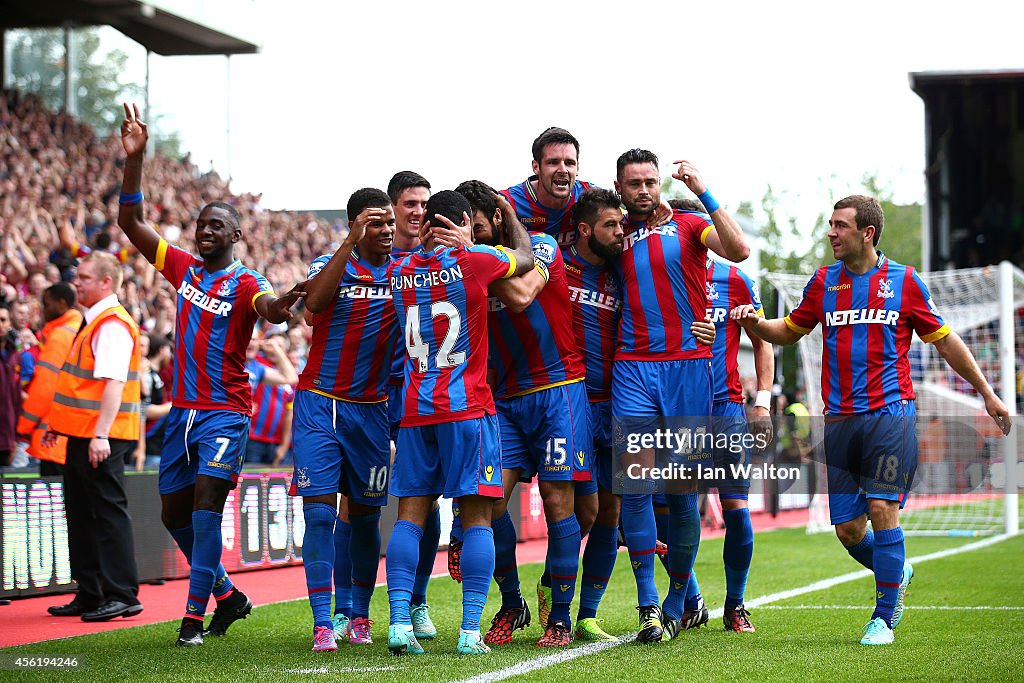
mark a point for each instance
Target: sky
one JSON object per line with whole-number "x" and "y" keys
{"x": 806, "y": 97}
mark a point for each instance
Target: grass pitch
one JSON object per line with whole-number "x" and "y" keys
{"x": 953, "y": 635}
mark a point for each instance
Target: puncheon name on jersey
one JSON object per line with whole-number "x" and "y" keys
{"x": 426, "y": 279}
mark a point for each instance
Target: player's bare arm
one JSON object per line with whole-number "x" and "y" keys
{"x": 519, "y": 292}
{"x": 283, "y": 371}
{"x": 519, "y": 246}
{"x": 764, "y": 369}
{"x": 131, "y": 217}
{"x": 278, "y": 309}
{"x": 727, "y": 238}
{"x": 772, "y": 331}
{"x": 320, "y": 289}
{"x": 959, "y": 357}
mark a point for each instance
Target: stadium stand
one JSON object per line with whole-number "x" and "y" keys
{"x": 56, "y": 172}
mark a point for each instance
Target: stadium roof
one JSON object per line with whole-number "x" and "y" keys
{"x": 158, "y": 28}
{"x": 919, "y": 79}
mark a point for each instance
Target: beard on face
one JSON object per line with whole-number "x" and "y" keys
{"x": 606, "y": 251}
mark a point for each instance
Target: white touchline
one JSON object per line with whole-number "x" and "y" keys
{"x": 915, "y": 608}
{"x": 567, "y": 655}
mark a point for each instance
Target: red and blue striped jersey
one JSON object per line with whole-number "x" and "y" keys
{"x": 536, "y": 349}
{"x": 354, "y": 340}
{"x": 270, "y": 402}
{"x": 727, "y": 288}
{"x": 536, "y": 217}
{"x": 663, "y": 271}
{"x": 216, "y": 315}
{"x": 397, "y": 377}
{"x": 596, "y": 308}
{"x": 441, "y": 300}
{"x": 867, "y": 322}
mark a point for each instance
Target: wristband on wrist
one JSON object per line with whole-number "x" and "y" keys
{"x": 709, "y": 201}
{"x": 131, "y": 199}
{"x": 101, "y": 438}
{"x": 763, "y": 400}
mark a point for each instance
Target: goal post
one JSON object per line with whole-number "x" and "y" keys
{"x": 968, "y": 475}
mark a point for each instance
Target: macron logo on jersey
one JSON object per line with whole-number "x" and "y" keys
{"x": 592, "y": 298}
{"x": 204, "y": 301}
{"x": 861, "y": 316}
{"x": 644, "y": 232}
{"x": 427, "y": 279}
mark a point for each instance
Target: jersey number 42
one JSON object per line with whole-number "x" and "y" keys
{"x": 420, "y": 350}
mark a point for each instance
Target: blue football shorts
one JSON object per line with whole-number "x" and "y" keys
{"x": 207, "y": 442}
{"x": 547, "y": 433}
{"x": 452, "y": 459}
{"x": 340, "y": 446}
{"x": 870, "y": 455}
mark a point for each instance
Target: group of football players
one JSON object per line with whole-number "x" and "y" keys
{"x": 467, "y": 340}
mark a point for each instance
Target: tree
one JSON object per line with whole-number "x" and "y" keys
{"x": 901, "y": 235}
{"x": 37, "y": 66}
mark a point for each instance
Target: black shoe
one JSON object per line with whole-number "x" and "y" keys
{"x": 111, "y": 609}
{"x": 190, "y": 633}
{"x": 75, "y": 608}
{"x": 650, "y": 625}
{"x": 695, "y": 618}
{"x": 671, "y": 628}
{"x": 229, "y": 610}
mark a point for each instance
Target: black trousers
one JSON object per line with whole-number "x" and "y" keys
{"x": 48, "y": 468}
{"x": 100, "y": 541}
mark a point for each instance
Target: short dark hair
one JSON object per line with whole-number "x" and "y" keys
{"x": 232, "y": 211}
{"x": 553, "y": 136}
{"x": 62, "y": 291}
{"x": 687, "y": 205}
{"x": 590, "y": 203}
{"x": 103, "y": 240}
{"x": 156, "y": 343}
{"x": 449, "y": 204}
{"x": 868, "y": 212}
{"x": 480, "y": 196}
{"x": 635, "y": 156}
{"x": 402, "y": 181}
{"x": 364, "y": 197}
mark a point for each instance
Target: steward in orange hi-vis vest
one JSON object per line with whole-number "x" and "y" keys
{"x": 78, "y": 395}
{"x": 56, "y": 339}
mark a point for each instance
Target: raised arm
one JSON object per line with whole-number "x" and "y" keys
{"x": 321, "y": 288}
{"x": 727, "y": 238}
{"x": 131, "y": 216}
{"x": 955, "y": 352}
{"x": 66, "y": 231}
{"x": 519, "y": 246}
{"x": 283, "y": 371}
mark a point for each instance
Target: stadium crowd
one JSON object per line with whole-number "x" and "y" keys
{"x": 59, "y": 184}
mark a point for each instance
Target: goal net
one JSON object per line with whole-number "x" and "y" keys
{"x": 961, "y": 486}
